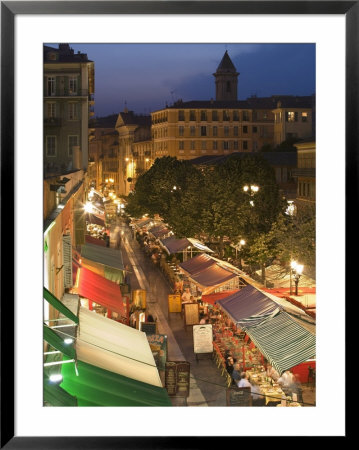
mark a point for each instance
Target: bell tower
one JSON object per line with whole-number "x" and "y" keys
{"x": 226, "y": 80}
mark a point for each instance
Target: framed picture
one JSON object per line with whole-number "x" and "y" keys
{"x": 25, "y": 27}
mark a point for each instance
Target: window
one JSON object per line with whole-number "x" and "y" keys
{"x": 291, "y": 116}
{"x": 225, "y": 115}
{"x": 304, "y": 116}
{"x": 265, "y": 116}
{"x": 193, "y": 145}
{"x": 192, "y": 115}
{"x": 235, "y": 145}
{"x": 254, "y": 129}
{"x": 181, "y": 145}
{"x": 215, "y": 145}
{"x": 203, "y": 145}
{"x": 51, "y": 85}
{"x": 235, "y": 131}
{"x": 245, "y": 145}
{"x": 73, "y": 141}
{"x": 245, "y": 115}
{"x": 255, "y": 145}
{"x": 73, "y": 111}
{"x": 214, "y": 115}
{"x": 181, "y": 114}
{"x": 226, "y": 131}
{"x": 225, "y": 145}
{"x": 73, "y": 85}
{"x": 50, "y": 145}
{"x": 245, "y": 129}
{"x": 215, "y": 131}
{"x": 235, "y": 115}
{"x": 203, "y": 115}
{"x": 203, "y": 131}
{"x": 254, "y": 115}
{"x": 181, "y": 131}
{"x": 192, "y": 131}
{"x": 51, "y": 109}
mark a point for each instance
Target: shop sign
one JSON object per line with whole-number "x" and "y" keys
{"x": 158, "y": 344}
{"x": 191, "y": 313}
{"x": 203, "y": 338}
{"x": 236, "y": 396}
{"x": 139, "y": 298}
{"x": 174, "y": 303}
{"x": 177, "y": 378}
{"x": 148, "y": 327}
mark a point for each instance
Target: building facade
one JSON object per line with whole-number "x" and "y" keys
{"x": 135, "y": 148}
{"x": 226, "y": 125}
{"x": 305, "y": 173}
{"x": 68, "y": 104}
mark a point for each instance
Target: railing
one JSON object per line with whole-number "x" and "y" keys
{"x": 52, "y": 121}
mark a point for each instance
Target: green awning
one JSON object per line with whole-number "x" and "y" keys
{"x": 60, "y": 306}
{"x": 283, "y": 341}
{"x": 54, "y": 395}
{"x": 114, "y": 275}
{"x": 54, "y": 339}
{"x": 98, "y": 387}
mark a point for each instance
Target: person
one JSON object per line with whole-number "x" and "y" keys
{"x": 285, "y": 381}
{"x": 271, "y": 372}
{"x": 204, "y": 320}
{"x": 186, "y": 296}
{"x": 150, "y": 318}
{"x": 230, "y": 365}
{"x": 236, "y": 373}
{"x": 244, "y": 382}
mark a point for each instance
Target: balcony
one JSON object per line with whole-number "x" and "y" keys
{"x": 52, "y": 122}
{"x": 304, "y": 172}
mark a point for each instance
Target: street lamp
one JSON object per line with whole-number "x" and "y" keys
{"x": 253, "y": 189}
{"x": 296, "y": 271}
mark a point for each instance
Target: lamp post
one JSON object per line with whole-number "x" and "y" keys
{"x": 296, "y": 271}
{"x": 238, "y": 247}
{"x": 253, "y": 189}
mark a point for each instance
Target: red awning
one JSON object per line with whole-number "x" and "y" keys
{"x": 212, "y": 298}
{"x": 92, "y": 240}
{"x": 100, "y": 290}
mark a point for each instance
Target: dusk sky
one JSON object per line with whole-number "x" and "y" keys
{"x": 147, "y": 76}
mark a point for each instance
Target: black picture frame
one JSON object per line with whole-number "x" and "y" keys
{"x": 9, "y": 9}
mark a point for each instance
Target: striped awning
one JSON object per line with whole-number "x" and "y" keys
{"x": 283, "y": 341}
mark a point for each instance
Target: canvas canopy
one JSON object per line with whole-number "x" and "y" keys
{"x": 174, "y": 245}
{"x": 213, "y": 276}
{"x": 212, "y": 298}
{"x": 115, "y": 347}
{"x": 98, "y": 387}
{"x": 107, "y": 256}
{"x": 249, "y": 307}
{"x": 197, "y": 264}
{"x": 283, "y": 341}
{"x": 95, "y": 241}
{"x": 95, "y": 219}
{"x": 96, "y": 288}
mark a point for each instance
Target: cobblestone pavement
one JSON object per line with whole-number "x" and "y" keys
{"x": 207, "y": 386}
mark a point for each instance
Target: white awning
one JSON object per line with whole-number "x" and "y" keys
{"x": 115, "y": 347}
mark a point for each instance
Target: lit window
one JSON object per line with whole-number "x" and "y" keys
{"x": 304, "y": 116}
{"x": 291, "y": 116}
{"x": 51, "y": 85}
